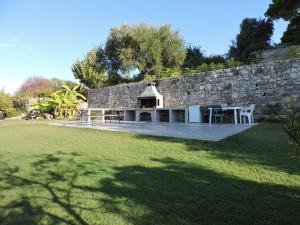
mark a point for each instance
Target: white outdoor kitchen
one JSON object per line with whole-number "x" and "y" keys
{"x": 151, "y": 109}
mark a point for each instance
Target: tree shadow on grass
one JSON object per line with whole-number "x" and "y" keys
{"x": 46, "y": 195}
{"x": 264, "y": 144}
{"x": 171, "y": 192}
{"x": 180, "y": 193}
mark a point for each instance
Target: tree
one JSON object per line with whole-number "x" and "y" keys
{"x": 91, "y": 71}
{"x": 288, "y": 10}
{"x": 144, "y": 48}
{"x": 292, "y": 34}
{"x": 194, "y": 57}
{"x": 215, "y": 59}
{"x": 285, "y": 9}
{"x": 255, "y": 35}
{"x": 36, "y": 87}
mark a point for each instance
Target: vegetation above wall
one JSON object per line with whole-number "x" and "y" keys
{"x": 144, "y": 52}
{"x": 132, "y": 53}
{"x": 255, "y": 35}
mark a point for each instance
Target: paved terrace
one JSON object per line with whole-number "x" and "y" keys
{"x": 199, "y": 131}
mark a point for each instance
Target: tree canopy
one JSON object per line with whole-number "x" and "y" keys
{"x": 255, "y": 35}
{"x": 194, "y": 56}
{"x": 91, "y": 71}
{"x": 145, "y": 48}
{"x": 150, "y": 52}
{"x": 288, "y": 10}
{"x": 292, "y": 34}
{"x": 36, "y": 87}
{"x": 285, "y": 9}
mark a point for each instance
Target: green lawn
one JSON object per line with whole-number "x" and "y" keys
{"x": 60, "y": 175}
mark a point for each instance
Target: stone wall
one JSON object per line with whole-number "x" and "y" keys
{"x": 261, "y": 84}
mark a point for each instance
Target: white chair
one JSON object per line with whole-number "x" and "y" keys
{"x": 247, "y": 113}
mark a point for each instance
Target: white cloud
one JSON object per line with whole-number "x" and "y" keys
{"x": 11, "y": 86}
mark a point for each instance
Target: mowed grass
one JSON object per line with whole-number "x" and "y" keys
{"x": 60, "y": 175}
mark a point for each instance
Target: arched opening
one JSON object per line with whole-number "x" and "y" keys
{"x": 145, "y": 116}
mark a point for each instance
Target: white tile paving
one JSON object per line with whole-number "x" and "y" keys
{"x": 200, "y": 131}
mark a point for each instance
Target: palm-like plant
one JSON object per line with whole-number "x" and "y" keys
{"x": 67, "y": 100}
{"x": 62, "y": 103}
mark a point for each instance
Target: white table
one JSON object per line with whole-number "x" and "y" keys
{"x": 235, "y": 109}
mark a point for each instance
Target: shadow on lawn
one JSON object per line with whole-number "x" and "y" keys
{"x": 178, "y": 193}
{"x": 171, "y": 193}
{"x": 264, "y": 144}
{"x": 49, "y": 186}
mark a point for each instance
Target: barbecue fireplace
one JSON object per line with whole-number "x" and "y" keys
{"x": 150, "y": 98}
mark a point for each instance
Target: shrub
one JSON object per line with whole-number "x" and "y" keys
{"x": 229, "y": 63}
{"x": 290, "y": 122}
{"x": 11, "y": 112}
{"x": 6, "y": 102}
{"x": 62, "y": 103}
{"x": 43, "y": 106}
{"x": 169, "y": 72}
{"x": 293, "y": 52}
{"x": 291, "y": 125}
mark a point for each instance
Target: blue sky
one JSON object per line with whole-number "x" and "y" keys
{"x": 43, "y": 38}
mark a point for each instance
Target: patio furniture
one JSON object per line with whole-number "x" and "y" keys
{"x": 247, "y": 113}
{"x": 94, "y": 118}
{"x": 235, "y": 110}
{"x": 217, "y": 114}
{"x": 111, "y": 117}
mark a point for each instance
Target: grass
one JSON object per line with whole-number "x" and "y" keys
{"x": 60, "y": 175}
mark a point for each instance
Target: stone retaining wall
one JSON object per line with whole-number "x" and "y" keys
{"x": 261, "y": 84}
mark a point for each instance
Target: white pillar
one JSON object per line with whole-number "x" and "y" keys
{"x": 103, "y": 115}
{"x": 235, "y": 116}
{"x": 89, "y": 115}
